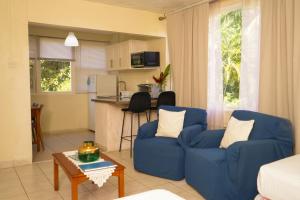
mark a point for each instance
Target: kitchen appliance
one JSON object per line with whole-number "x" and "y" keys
{"x": 145, "y": 87}
{"x": 99, "y": 85}
{"x": 152, "y": 89}
{"x": 107, "y": 85}
{"x": 145, "y": 59}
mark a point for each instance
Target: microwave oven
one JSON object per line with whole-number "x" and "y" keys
{"x": 145, "y": 59}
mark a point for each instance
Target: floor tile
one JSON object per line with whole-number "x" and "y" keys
{"x": 35, "y": 182}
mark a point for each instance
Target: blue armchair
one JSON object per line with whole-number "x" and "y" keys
{"x": 164, "y": 156}
{"x": 231, "y": 174}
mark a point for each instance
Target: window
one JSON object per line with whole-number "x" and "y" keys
{"x": 50, "y": 65}
{"x": 55, "y": 76}
{"x": 231, "y": 39}
{"x": 32, "y": 75}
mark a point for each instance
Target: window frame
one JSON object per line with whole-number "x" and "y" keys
{"x": 38, "y": 89}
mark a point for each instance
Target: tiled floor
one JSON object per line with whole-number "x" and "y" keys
{"x": 61, "y": 142}
{"x": 35, "y": 182}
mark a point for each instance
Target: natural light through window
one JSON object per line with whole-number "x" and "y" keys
{"x": 231, "y": 34}
{"x": 55, "y": 76}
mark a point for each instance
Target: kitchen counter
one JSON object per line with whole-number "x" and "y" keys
{"x": 108, "y": 122}
{"x": 118, "y": 100}
{"x": 114, "y": 100}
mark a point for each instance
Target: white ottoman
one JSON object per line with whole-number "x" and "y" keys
{"x": 158, "y": 194}
{"x": 280, "y": 180}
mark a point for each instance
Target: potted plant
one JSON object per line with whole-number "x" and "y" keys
{"x": 162, "y": 79}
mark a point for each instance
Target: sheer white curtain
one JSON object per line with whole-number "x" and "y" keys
{"x": 215, "y": 107}
{"x": 250, "y": 60}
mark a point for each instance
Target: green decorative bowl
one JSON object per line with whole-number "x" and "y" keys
{"x": 88, "y": 152}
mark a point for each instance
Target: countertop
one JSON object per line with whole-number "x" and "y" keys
{"x": 117, "y": 100}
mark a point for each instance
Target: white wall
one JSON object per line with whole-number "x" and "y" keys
{"x": 93, "y": 15}
{"x": 63, "y": 112}
{"x": 15, "y": 143}
{"x": 15, "y": 120}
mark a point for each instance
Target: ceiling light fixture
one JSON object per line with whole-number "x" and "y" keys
{"x": 71, "y": 40}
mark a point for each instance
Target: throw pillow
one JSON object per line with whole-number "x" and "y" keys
{"x": 236, "y": 131}
{"x": 170, "y": 123}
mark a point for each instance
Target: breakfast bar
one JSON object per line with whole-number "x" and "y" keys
{"x": 108, "y": 122}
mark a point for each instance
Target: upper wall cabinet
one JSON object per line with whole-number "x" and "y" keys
{"x": 119, "y": 55}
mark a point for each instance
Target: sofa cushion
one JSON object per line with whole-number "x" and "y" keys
{"x": 159, "y": 156}
{"x": 266, "y": 126}
{"x": 192, "y": 116}
{"x": 204, "y": 170}
{"x": 170, "y": 123}
{"x": 237, "y": 130}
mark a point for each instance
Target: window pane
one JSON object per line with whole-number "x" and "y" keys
{"x": 32, "y": 75}
{"x": 231, "y": 33}
{"x": 55, "y": 76}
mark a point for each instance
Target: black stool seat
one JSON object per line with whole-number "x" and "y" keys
{"x": 140, "y": 102}
{"x": 167, "y": 98}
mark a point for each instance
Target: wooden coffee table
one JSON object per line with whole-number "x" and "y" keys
{"x": 76, "y": 176}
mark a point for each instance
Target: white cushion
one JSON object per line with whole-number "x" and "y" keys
{"x": 157, "y": 194}
{"x": 236, "y": 131}
{"x": 170, "y": 123}
{"x": 280, "y": 179}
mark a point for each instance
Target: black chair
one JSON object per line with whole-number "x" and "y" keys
{"x": 140, "y": 102}
{"x": 167, "y": 98}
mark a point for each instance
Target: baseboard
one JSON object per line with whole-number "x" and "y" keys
{"x": 65, "y": 131}
{"x": 14, "y": 163}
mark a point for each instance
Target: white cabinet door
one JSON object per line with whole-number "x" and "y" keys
{"x": 125, "y": 56}
{"x": 137, "y": 46}
{"x": 109, "y": 56}
{"x": 119, "y": 54}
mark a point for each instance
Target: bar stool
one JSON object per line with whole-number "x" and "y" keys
{"x": 167, "y": 98}
{"x": 140, "y": 102}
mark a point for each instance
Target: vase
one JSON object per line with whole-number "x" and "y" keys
{"x": 88, "y": 152}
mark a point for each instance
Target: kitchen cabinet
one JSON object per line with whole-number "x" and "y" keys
{"x": 113, "y": 57}
{"x": 118, "y": 55}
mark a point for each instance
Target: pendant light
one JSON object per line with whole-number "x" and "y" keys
{"x": 71, "y": 40}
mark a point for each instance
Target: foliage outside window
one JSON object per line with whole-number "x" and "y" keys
{"x": 32, "y": 75}
{"x": 231, "y": 34}
{"x": 55, "y": 76}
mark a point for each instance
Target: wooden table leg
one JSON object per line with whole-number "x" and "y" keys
{"x": 74, "y": 190}
{"x": 121, "y": 184}
{"x": 55, "y": 173}
{"x": 38, "y": 132}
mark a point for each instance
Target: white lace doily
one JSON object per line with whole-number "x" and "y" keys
{"x": 99, "y": 176}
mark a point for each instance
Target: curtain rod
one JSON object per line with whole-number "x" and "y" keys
{"x": 184, "y": 8}
{"x": 65, "y": 38}
{"x": 187, "y": 7}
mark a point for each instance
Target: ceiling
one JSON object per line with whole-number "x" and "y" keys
{"x": 158, "y": 6}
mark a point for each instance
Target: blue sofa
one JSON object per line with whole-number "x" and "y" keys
{"x": 231, "y": 174}
{"x": 164, "y": 156}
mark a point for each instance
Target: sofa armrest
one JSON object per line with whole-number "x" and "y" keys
{"x": 188, "y": 134}
{"x": 147, "y": 130}
{"x": 208, "y": 139}
{"x": 246, "y": 157}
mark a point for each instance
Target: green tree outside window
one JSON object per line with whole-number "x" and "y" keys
{"x": 55, "y": 76}
{"x": 231, "y": 34}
